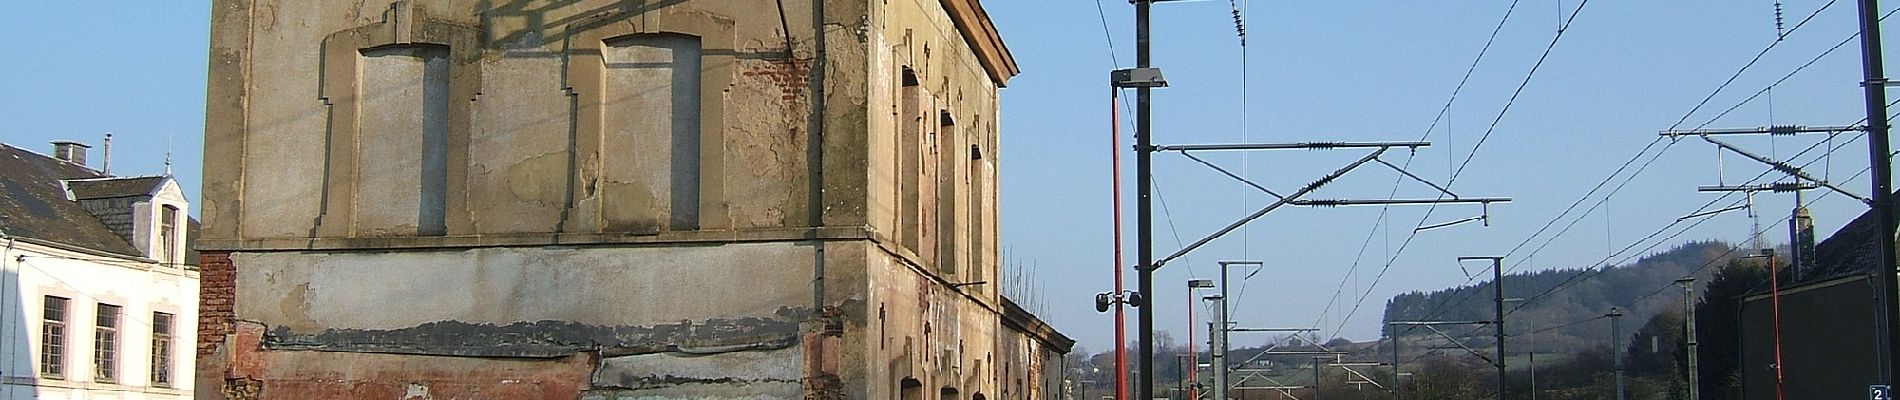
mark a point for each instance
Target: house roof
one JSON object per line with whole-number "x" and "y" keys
{"x": 33, "y": 203}
{"x": 1849, "y": 251}
{"x": 105, "y": 188}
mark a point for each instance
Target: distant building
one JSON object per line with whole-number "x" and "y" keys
{"x": 98, "y": 297}
{"x": 1830, "y": 322}
{"x": 609, "y": 200}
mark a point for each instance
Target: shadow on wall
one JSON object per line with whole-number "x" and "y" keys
{"x": 16, "y": 357}
{"x": 537, "y": 30}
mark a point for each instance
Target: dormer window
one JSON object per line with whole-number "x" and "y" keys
{"x": 167, "y": 236}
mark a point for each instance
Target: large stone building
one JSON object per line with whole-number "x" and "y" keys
{"x": 97, "y": 291}
{"x": 608, "y": 199}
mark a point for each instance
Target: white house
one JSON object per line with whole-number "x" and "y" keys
{"x": 98, "y": 291}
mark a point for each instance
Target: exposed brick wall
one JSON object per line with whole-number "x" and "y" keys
{"x": 217, "y": 292}
{"x": 791, "y": 76}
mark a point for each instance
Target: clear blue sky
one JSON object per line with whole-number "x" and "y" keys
{"x": 1319, "y": 71}
{"x": 1334, "y": 71}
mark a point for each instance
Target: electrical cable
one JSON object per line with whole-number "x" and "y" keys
{"x": 1684, "y": 118}
{"x": 1442, "y": 113}
{"x": 1757, "y": 177}
{"x": 1455, "y": 174}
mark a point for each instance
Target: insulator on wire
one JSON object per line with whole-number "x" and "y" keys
{"x": 1322, "y": 145}
{"x": 1779, "y": 33}
{"x": 1240, "y": 26}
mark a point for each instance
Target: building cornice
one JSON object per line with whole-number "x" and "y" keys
{"x": 1016, "y": 316}
{"x": 699, "y": 237}
{"x": 980, "y": 33}
{"x": 86, "y": 252}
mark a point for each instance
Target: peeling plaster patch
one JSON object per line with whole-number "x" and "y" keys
{"x": 719, "y": 391}
{"x": 631, "y": 208}
{"x": 647, "y": 371}
{"x": 416, "y": 392}
{"x": 763, "y": 142}
{"x": 546, "y": 339}
{"x": 296, "y": 303}
{"x": 541, "y": 179}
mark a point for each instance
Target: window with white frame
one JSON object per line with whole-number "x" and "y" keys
{"x": 105, "y": 345}
{"x": 161, "y": 349}
{"x": 167, "y": 236}
{"x": 53, "y": 338}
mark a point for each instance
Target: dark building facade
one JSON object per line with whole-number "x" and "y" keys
{"x": 1830, "y": 323}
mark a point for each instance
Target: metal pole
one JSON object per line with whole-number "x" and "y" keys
{"x": 1874, "y": 84}
{"x": 1121, "y": 309}
{"x": 1774, "y": 284}
{"x": 1616, "y": 346}
{"x": 1398, "y": 382}
{"x": 1180, "y": 375}
{"x": 1217, "y": 332}
{"x": 1497, "y": 289}
{"x": 1689, "y": 337}
{"x": 1194, "y": 356}
{"x": 1316, "y": 361}
{"x": 1144, "y": 219}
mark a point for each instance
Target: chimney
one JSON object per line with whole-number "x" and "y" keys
{"x": 1803, "y": 225}
{"x": 70, "y": 151}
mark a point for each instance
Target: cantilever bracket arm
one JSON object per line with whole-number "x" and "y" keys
{"x": 1289, "y": 199}
{"x": 1409, "y": 174}
{"x": 1230, "y": 174}
{"x": 1708, "y": 213}
{"x": 1787, "y": 169}
{"x": 1394, "y": 202}
{"x": 1288, "y": 146}
{"x": 1282, "y": 387}
{"x": 1764, "y": 130}
{"x": 1461, "y": 345}
{"x": 1375, "y": 383}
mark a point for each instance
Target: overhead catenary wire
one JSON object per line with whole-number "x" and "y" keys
{"x": 1596, "y": 267}
{"x": 1658, "y": 154}
{"x": 1732, "y": 249}
{"x": 1601, "y": 265}
{"x": 1569, "y": 282}
{"x": 1717, "y": 259}
{"x": 1384, "y": 212}
{"x": 1518, "y": 92}
{"x": 1528, "y": 77}
{"x": 1659, "y": 140}
{"x": 1757, "y": 94}
{"x": 1114, "y": 58}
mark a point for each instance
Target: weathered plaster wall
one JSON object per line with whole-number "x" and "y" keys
{"x": 920, "y": 329}
{"x": 956, "y": 143}
{"x": 726, "y": 321}
{"x": 591, "y": 245}
{"x": 310, "y": 292}
{"x": 543, "y": 137}
{"x": 348, "y": 375}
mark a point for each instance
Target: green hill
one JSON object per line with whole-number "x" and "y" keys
{"x": 1584, "y": 294}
